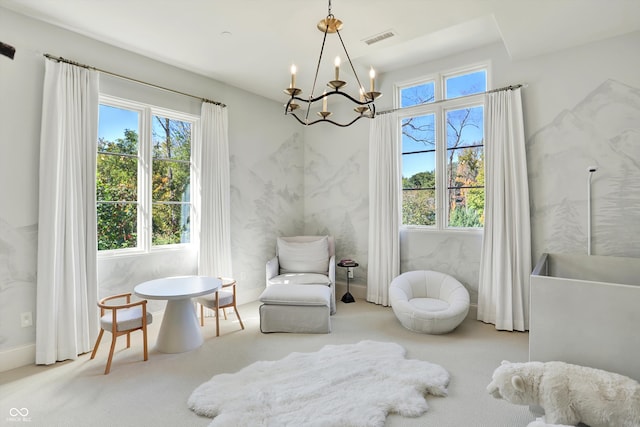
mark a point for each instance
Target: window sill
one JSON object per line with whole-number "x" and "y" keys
{"x": 134, "y": 253}
{"x": 434, "y": 230}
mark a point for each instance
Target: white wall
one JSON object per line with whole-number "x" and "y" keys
{"x": 266, "y": 153}
{"x": 337, "y": 191}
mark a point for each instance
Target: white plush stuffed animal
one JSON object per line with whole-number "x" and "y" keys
{"x": 569, "y": 394}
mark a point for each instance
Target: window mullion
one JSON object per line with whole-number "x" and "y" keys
{"x": 144, "y": 184}
{"x": 438, "y": 89}
{"x": 441, "y": 175}
{"x": 194, "y": 197}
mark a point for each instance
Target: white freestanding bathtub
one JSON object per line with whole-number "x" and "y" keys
{"x": 585, "y": 310}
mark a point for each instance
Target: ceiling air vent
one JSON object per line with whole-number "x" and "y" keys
{"x": 379, "y": 37}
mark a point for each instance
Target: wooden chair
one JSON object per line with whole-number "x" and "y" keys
{"x": 221, "y": 299}
{"x": 120, "y": 320}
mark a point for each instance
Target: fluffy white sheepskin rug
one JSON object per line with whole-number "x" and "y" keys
{"x": 340, "y": 385}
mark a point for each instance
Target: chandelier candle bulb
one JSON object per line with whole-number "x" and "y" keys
{"x": 337, "y": 64}
{"x": 293, "y": 76}
{"x": 324, "y": 101}
{"x": 372, "y": 76}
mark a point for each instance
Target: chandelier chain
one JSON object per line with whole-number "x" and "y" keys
{"x": 349, "y": 60}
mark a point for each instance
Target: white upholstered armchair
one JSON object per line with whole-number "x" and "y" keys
{"x": 304, "y": 260}
{"x": 300, "y": 293}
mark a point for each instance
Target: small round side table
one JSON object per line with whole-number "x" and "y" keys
{"x": 347, "y": 298}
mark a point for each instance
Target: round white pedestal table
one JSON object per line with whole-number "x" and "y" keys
{"x": 180, "y": 330}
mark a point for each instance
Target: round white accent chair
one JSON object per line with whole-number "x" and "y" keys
{"x": 428, "y": 302}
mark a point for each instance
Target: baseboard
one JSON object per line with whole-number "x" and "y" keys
{"x": 246, "y": 296}
{"x": 473, "y": 311}
{"x": 17, "y": 357}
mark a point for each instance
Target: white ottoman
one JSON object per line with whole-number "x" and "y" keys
{"x": 296, "y": 308}
{"x": 428, "y": 301}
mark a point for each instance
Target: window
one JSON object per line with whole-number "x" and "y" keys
{"x": 171, "y": 178}
{"x": 143, "y": 176}
{"x": 442, "y": 142}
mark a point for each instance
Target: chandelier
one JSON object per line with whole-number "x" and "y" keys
{"x": 363, "y": 105}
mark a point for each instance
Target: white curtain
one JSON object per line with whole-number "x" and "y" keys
{"x": 505, "y": 266}
{"x": 211, "y": 160}
{"x": 67, "y": 283}
{"x": 384, "y": 207}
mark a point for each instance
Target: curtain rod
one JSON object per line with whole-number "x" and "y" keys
{"x": 60, "y": 59}
{"x": 510, "y": 87}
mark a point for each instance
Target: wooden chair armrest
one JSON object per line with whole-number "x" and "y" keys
{"x": 112, "y": 297}
{"x": 128, "y": 304}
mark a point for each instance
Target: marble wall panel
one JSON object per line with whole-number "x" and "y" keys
{"x": 121, "y": 274}
{"x": 603, "y": 130}
{"x": 337, "y": 191}
{"x": 456, "y": 254}
{"x": 18, "y": 262}
{"x": 267, "y": 198}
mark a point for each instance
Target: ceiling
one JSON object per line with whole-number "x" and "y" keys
{"x": 251, "y": 44}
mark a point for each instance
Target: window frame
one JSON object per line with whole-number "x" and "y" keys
{"x": 439, "y": 107}
{"x": 146, "y": 112}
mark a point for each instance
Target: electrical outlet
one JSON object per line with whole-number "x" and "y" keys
{"x": 350, "y": 272}
{"x": 26, "y": 319}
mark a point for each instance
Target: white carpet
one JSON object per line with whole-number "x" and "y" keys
{"x": 339, "y": 385}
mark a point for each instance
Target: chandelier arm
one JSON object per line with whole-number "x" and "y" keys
{"x": 342, "y": 125}
{"x": 286, "y": 106}
{"x": 372, "y": 108}
{"x": 349, "y": 59}
{"x": 305, "y": 122}
{"x": 298, "y": 119}
{"x": 333, "y": 92}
